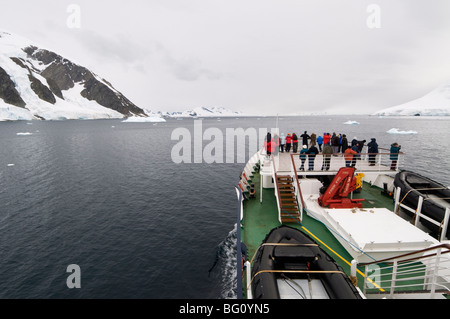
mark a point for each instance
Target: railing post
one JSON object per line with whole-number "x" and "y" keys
{"x": 397, "y": 200}
{"x": 249, "y": 278}
{"x": 394, "y": 277}
{"x": 445, "y": 224}
{"x": 353, "y": 269}
{"x": 418, "y": 211}
{"x": 365, "y": 279}
{"x": 434, "y": 278}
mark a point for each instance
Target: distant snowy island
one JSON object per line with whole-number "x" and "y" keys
{"x": 198, "y": 112}
{"x": 435, "y": 103}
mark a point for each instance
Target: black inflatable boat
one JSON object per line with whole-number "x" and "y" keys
{"x": 436, "y": 197}
{"x": 289, "y": 264}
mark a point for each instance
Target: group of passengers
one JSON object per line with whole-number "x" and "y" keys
{"x": 329, "y": 145}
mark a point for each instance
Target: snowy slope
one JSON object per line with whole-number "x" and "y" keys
{"x": 26, "y": 73}
{"x": 435, "y": 103}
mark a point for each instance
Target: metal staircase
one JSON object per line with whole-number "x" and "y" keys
{"x": 289, "y": 211}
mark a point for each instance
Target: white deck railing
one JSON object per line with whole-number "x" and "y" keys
{"x": 442, "y": 225}
{"x": 425, "y": 273}
{"x": 381, "y": 162}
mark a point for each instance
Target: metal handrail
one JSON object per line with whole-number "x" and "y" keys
{"x": 424, "y": 271}
{"x": 298, "y": 183}
{"x": 447, "y": 246}
{"x": 378, "y": 161}
{"x": 278, "y": 190}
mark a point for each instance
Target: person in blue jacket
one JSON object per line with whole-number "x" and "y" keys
{"x": 395, "y": 149}
{"x": 302, "y": 156}
{"x": 320, "y": 142}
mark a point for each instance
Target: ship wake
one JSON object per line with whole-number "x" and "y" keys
{"x": 225, "y": 266}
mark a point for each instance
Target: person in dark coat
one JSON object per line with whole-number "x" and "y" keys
{"x": 313, "y": 139}
{"x": 294, "y": 143}
{"x": 356, "y": 156}
{"x": 312, "y": 152}
{"x": 344, "y": 143}
{"x": 335, "y": 143}
{"x": 305, "y": 138}
{"x": 361, "y": 145}
{"x": 373, "y": 151}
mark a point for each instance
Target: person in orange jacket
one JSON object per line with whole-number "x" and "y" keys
{"x": 348, "y": 155}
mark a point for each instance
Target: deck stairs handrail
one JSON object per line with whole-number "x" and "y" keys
{"x": 298, "y": 190}
{"x": 425, "y": 272}
{"x": 277, "y": 190}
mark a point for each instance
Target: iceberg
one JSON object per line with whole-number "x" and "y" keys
{"x": 24, "y": 134}
{"x": 397, "y": 131}
{"x": 351, "y": 123}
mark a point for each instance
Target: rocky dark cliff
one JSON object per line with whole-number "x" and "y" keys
{"x": 61, "y": 75}
{"x": 8, "y": 91}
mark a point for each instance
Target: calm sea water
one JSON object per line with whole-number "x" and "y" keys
{"x": 106, "y": 195}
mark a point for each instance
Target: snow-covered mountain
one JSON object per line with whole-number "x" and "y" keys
{"x": 202, "y": 112}
{"x": 435, "y": 103}
{"x": 39, "y": 84}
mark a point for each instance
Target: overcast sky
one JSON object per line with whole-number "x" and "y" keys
{"x": 254, "y": 56}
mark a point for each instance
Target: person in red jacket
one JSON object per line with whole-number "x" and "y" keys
{"x": 288, "y": 142}
{"x": 326, "y": 138}
{"x": 270, "y": 146}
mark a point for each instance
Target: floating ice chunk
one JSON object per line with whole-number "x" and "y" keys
{"x": 24, "y": 134}
{"x": 351, "y": 123}
{"x": 397, "y": 131}
{"x": 10, "y": 165}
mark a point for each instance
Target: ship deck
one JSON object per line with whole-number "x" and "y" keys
{"x": 260, "y": 214}
{"x": 261, "y": 217}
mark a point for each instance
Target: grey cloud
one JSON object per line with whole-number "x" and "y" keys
{"x": 186, "y": 68}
